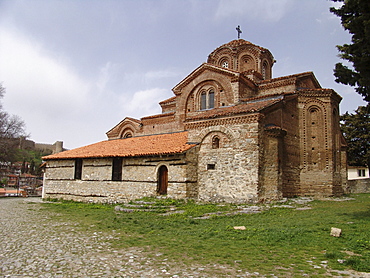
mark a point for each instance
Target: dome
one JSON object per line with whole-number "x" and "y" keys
{"x": 243, "y": 56}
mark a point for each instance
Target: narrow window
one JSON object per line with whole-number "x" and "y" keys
{"x": 117, "y": 169}
{"x": 203, "y": 101}
{"x": 211, "y": 99}
{"x": 215, "y": 142}
{"x": 78, "y": 169}
{"x": 264, "y": 70}
{"x": 211, "y": 166}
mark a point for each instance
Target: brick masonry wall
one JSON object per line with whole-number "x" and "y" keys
{"x": 270, "y": 185}
{"x": 290, "y": 151}
{"x": 320, "y": 149}
{"x": 279, "y": 168}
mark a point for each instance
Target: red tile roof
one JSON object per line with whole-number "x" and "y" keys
{"x": 293, "y": 77}
{"x": 169, "y": 143}
{"x": 250, "y": 107}
{"x": 158, "y": 115}
{"x": 266, "y": 97}
{"x": 168, "y": 100}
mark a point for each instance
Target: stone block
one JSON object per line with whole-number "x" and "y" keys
{"x": 336, "y": 232}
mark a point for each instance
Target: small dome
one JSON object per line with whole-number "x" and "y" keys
{"x": 243, "y": 56}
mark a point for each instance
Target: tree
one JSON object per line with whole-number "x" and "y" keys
{"x": 355, "y": 17}
{"x": 356, "y": 130}
{"x": 11, "y": 128}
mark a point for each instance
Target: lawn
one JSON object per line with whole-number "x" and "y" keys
{"x": 279, "y": 239}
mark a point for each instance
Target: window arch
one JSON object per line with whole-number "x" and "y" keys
{"x": 207, "y": 99}
{"x": 264, "y": 70}
{"x": 315, "y": 142}
{"x": 224, "y": 62}
{"x": 246, "y": 63}
{"x": 127, "y": 133}
{"x": 215, "y": 142}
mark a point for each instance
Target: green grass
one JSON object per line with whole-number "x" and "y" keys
{"x": 277, "y": 240}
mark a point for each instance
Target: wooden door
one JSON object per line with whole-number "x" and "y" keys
{"x": 162, "y": 180}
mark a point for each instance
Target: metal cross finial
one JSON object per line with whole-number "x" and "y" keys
{"x": 239, "y": 31}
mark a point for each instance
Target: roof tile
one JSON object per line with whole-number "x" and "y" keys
{"x": 168, "y": 143}
{"x": 251, "y": 107}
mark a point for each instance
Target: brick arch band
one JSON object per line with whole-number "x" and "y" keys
{"x": 315, "y": 134}
{"x": 127, "y": 128}
{"x": 193, "y": 99}
{"x": 231, "y": 136}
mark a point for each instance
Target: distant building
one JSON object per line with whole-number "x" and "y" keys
{"x": 26, "y": 144}
{"x": 13, "y": 180}
{"x": 358, "y": 172}
{"x": 53, "y": 148}
{"x": 27, "y": 180}
{"x": 8, "y": 170}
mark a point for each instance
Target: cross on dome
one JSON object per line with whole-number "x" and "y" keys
{"x": 239, "y": 31}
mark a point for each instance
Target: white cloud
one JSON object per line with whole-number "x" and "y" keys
{"x": 40, "y": 88}
{"x": 104, "y": 76}
{"x": 29, "y": 73}
{"x": 261, "y": 10}
{"x": 160, "y": 74}
{"x": 145, "y": 102}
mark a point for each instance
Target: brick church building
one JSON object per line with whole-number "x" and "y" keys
{"x": 230, "y": 133}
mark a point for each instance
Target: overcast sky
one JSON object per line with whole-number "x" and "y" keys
{"x": 74, "y": 69}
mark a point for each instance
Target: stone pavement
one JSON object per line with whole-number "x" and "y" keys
{"x": 34, "y": 245}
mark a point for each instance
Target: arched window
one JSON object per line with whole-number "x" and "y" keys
{"x": 224, "y": 62}
{"x": 246, "y": 63}
{"x": 203, "y": 101}
{"x": 315, "y": 140}
{"x": 264, "y": 68}
{"x": 215, "y": 142}
{"x": 207, "y": 99}
{"x": 127, "y": 135}
{"x": 211, "y": 99}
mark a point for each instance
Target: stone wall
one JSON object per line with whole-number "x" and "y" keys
{"x": 228, "y": 173}
{"x": 139, "y": 179}
{"x": 53, "y": 148}
{"x": 358, "y": 186}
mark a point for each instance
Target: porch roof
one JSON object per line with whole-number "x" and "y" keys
{"x": 169, "y": 143}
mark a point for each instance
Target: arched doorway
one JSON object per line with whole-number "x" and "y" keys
{"x": 162, "y": 180}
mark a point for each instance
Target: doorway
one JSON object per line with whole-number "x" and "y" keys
{"x": 162, "y": 180}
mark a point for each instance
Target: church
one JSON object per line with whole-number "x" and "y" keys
{"x": 230, "y": 133}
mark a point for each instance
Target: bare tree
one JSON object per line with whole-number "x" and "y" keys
{"x": 12, "y": 128}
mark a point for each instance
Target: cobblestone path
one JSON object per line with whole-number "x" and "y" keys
{"x": 34, "y": 245}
